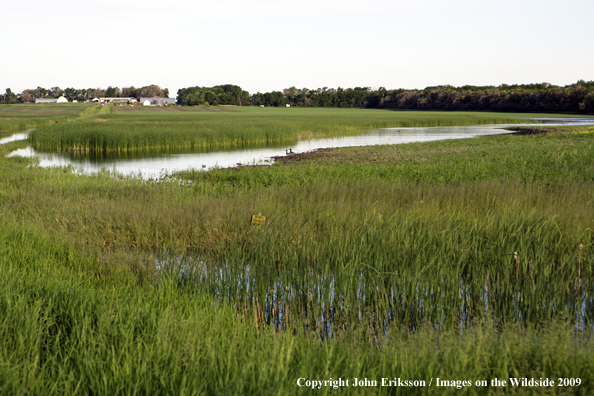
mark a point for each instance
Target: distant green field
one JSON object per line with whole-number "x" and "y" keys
{"x": 20, "y": 117}
{"x": 128, "y": 129}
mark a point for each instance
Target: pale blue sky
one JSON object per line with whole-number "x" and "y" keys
{"x": 270, "y": 45}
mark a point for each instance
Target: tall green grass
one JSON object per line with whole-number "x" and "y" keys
{"x": 126, "y": 130}
{"x": 548, "y": 159}
{"x": 65, "y": 329}
{"x": 424, "y": 234}
{"x": 395, "y": 261}
{"x": 385, "y": 230}
{"x": 399, "y": 273}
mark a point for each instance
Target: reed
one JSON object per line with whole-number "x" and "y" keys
{"x": 128, "y": 130}
{"x": 64, "y": 331}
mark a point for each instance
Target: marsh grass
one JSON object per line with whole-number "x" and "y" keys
{"x": 380, "y": 262}
{"x": 390, "y": 236}
{"x": 129, "y": 130}
{"x": 64, "y": 331}
{"x": 549, "y": 159}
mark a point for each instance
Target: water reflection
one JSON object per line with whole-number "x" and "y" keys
{"x": 378, "y": 301}
{"x": 157, "y": 163}
{"x": 14, "y": 138}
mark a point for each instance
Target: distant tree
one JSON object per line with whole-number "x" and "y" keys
{"x": 211, "y": 98}
{"x": 71, "y": 94}
{"x": 166, "y": 93}
{"x": 245, "y": 98}
{"x": 220, "y": 94}
{"x": 41, "y": 92}
{"x": 375, "y": 97}
{"x": 111, "y": 92}
{"x": 88, "y": 93}
{"x": 28, "y": 96}
{"x": 518, "y": 98}
{"x": 130, "y": 92}
{"x": 151, "y": 91}
{"x": 56, "y": 92}
{"x": 98, "y": 93}
{"x": 274, "y": 98}
{"x": 256, "y": 99}
{"x": 587, "y": 105}
{"x": 9, "y": 97}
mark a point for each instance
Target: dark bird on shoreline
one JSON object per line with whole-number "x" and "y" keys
{"x": 290, "y": 152}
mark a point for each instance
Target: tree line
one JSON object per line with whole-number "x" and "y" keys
{"x": 321, "y": 97}
{"x": 543, "y": 97}
{"x": 578, "y": 97}
{"x": 227, "y": 94}
{"x": 82, "y": 95}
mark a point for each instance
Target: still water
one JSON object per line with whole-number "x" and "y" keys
{"x": 14, "y": 138}
{"x": 157, "y": 164}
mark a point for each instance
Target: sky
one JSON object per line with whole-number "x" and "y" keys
{"x": 265, "y": 45}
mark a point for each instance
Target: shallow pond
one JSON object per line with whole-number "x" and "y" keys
{"x": 159, "y": 163}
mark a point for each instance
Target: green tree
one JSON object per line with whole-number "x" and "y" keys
{"x": 245, "y": 98}
{"x": 211, "y": 98}
{"x": 130, "y": 92}
{"x": 28, "y": 96}
{"x": 70, "y": 94}
{"x": 9, "y": 96}
{"x": 56, "y": 92}
{"x": 111, "y": 92}
{"x": 41, "y": 92}
{"x": 151, "y": 91}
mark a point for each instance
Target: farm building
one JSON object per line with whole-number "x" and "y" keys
{"x": 158, "y": 101}
{"x": 61, "y": 99}
{"x": 146, "y": 102}
{"x": 113, "y": 100}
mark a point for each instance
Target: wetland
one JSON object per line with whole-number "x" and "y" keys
{"x": 157, "y": 163}
{"x": 457, "y": 258}
{"x": 151, "y": 144}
